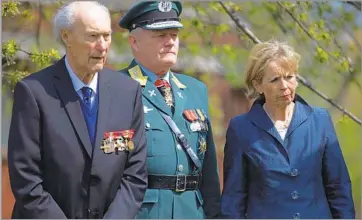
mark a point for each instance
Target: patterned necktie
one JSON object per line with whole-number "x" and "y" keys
{"x": 87, "y": 94}
{"x": 165, "y": 90}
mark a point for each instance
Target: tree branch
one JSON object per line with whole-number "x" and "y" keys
{"x": 38, "y": 27}
{"x": 352, "y": 74}
{"x": 357, "y": 5}
{"x": 239, "y": 24}
{"x": 301, "y": 79}
{"x": 306, "y": 31}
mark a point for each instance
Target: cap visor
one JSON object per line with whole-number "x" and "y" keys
{"x": 163, "y": 25}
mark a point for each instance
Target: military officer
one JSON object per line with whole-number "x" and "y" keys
{"x": 181, "y": 158}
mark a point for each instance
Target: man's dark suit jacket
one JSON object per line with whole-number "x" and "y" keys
{"x": 54, "y": 170}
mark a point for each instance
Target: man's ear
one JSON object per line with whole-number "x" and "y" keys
{"x": 64, "y": 35}
{"x": 132, "y": 40}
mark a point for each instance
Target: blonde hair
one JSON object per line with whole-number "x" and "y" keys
{"x": 260, "y": 57}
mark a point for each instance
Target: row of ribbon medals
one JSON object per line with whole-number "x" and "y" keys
{"x": 122, "y": 140}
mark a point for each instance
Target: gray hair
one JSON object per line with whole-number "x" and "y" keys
{"x": 64, "y": 18}
{"x": 135, "y": 31}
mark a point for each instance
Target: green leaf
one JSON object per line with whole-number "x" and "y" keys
{"x": 9, "y": 8}
{"x": 201, "y": 10}
{"x": 27, "y": 14}
{"x": 215, "y": 50}
{"x": 236, "y": 8}
{"x": 348, "y": 16}
{"x": 222, "y": 28}
{"x": 321, "y": 55}
{"x": 344, "y": 66}
{"x": 9, "y": 48}
{"x": 303, "y": 17}
{"x": 320, "y": 24}
{"x": 196, "y": 23}
{"x": 325, "y": 37}
{"x": 272, "y": 6}
{"x": 216, "y": 6}
{"x": 193, "y": 48}
{"x": 11, "y": 78}
{"x": 45, "y": 58}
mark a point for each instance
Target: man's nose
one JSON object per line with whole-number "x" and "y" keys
{"x": 101, "y": 44}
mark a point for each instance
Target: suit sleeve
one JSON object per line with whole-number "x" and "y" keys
{"x": 210, "y": 184}
{"x": 336, "y": 179}
{"x": 133, "y": 186}
{"x": 234, "y": 195}
{"x": 24, "y": 158}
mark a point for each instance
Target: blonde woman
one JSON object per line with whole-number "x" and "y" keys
{"x": 282, "y": 158}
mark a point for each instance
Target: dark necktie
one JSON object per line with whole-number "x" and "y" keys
{"x": 165, "y": 89}
{"x": 87, "y": 94}
{"x": 90, "y": 117}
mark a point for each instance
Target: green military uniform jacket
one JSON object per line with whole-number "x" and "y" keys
{"x": 166, "y": 157}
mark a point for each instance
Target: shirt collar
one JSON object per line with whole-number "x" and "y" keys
{"x": 77, "y": 83}
{"x": 151, "y": 75}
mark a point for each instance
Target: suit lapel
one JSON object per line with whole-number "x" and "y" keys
{"x": 104, "y": 105}
{"x": 300, "y": 115}
{"x": 259, "y": 117}
{"x": 179, "y": 95}
{"x": 71, "y": 102}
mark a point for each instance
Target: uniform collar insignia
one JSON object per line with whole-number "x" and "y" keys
{"x": 136, "y": 73}
{"x": 177, "y": 82}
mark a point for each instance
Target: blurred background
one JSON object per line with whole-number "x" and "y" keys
{"x": 215, "y": 44}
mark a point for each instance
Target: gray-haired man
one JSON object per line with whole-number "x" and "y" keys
{"x": 77, "y": 140}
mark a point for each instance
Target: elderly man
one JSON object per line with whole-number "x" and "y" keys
{"x": 77, "y": 145}
{"x": 183, "y": 181}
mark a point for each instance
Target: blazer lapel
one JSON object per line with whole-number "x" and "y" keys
{"x": 71, "y": 102}
{"x": 104, "y": 105}
{"x": 179, "y": 95}
{"x": 259, "y": 117}
{"x": 300, "y": 115}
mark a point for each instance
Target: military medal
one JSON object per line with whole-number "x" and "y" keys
{"x": 202, "y": 144}
{"x": 195, "y": 126}
{"x": 114, "y": 142}
{"x": 192, "y": 117}
{"x": 165, "y": 89}
{"x": 107, "y": 147}
{"x": 168, "y": 96}
{"x": 202, "y": 116}
{"x": 130, "y": 145}
{"x": 128, "y": 135}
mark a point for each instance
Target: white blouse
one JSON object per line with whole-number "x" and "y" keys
{"x": 282, "y": 126}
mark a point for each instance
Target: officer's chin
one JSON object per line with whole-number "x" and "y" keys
{"x": 98, "y": 67}
{"x": 169, "y": 59}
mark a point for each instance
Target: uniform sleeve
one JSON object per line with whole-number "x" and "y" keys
{"x": 234, "y": 195}
{"x": 129, "y": 197}
{"x": 24, "y": 158}
{"x": 210, "y": 185}
{"x": 336, "y": 179}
